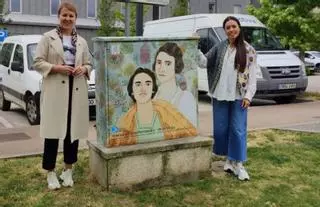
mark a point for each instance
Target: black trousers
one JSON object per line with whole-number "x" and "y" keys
{"x": 70, "y": 150}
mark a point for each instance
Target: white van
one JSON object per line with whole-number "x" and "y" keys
{"x": 281, "y": 76}
{"x": 20, "y": 83}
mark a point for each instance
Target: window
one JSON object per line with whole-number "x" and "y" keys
{"x": 207, "y": 39}
{"x": 5, "y": 54}
{"x": 91, "y": 8}
{"x": 237, "y": 9}
{"x": 212, "y": 8}
{"x": 54, "y": 5}
{"x": 316, "y": 54}
{"x": 15, "y": 6}
{"x": 18, "y": 55}
{"x": 123, "y": 9}
{"x": 31, "y": 51}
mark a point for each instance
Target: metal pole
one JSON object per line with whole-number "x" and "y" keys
{"x": 127, "y": 19}
{"x": 139, "y": 20}
{"x": 155, "y": 12}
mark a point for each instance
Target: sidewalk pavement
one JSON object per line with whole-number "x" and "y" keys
{"x": 17, "y": 142}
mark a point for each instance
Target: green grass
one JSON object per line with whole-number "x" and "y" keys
{"x": 310, "y": 95}
{"x": 283, "y": 165}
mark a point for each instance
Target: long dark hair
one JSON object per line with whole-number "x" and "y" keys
{"x": 241, "y": 54}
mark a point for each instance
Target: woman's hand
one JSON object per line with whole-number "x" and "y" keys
{"x": 63, "y": 69}
{"x": 79, "y": 71}
{"x": 245, "y": 103}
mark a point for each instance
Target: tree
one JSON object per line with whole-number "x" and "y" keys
{"x": 1, "y": 12}
{"x": 107, "y": 18}
{"x": 132, "y": 27}
{"x": 1, "y": 5}
{"x": 181, "y": 8}
{"x": 296, "y": 22}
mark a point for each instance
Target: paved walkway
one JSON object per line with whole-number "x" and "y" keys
{"x": 23, "y": 141}
{"x": 314, "y": 83}
{"x": 17, "y": 142}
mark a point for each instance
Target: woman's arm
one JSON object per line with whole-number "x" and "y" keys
{"x": 201, "y": 59}
{"x": 86, "y": 61}
{"x": 252, "y": 81}
{"x": 211, "y": 56}
{"x": 40, "y": 63}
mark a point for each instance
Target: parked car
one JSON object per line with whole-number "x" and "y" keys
{"x": 281, "y": 76}
{"x": 313, "y": 57}
{"x": 20, "y": 83}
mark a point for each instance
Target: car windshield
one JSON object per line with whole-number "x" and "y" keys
{"x": 316, "y": 54}
{"x": 31, "y": 51}
{"x": 260, "y": 38}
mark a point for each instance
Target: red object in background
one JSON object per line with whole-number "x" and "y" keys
{"x": 144, "y": 54}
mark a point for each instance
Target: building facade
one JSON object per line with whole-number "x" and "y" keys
{"x": 39, "y": 16}
{"x": 207, "y": 6}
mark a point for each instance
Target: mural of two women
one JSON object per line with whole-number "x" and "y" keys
{"x": 159, "y": 112}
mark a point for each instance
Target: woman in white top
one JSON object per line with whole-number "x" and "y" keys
{"x": 232, "y": 83}
{"x": 62, "y": 57}
{"x": 168, "y": 63}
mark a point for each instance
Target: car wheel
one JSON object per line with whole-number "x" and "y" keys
{"x": 317, "y": 68}
{"x": 33, "y": 111}
{"x": 285, "y": 99}
{"x": 4, "y": 104}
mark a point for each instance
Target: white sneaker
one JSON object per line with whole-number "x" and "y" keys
{"x": 53, "y": 182}
{"x": 228, "y": 166}
{"x": 242, "y": 173}
{"x": 66, "y": 176}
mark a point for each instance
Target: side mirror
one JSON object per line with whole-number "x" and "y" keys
{"x": 17, "y": 66}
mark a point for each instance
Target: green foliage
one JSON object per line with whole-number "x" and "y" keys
{"x": 284, "y": 171}
{"x": 107, "y": 17}
{"x": 296, "y": 22}
{"x": 1, "y": 12}
{"x": 133, "y": 16}
{"x": 181, "y": 8}
{"x": 1, "y": 6}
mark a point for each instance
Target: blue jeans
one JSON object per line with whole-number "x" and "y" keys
{"x": 230, "y": 129}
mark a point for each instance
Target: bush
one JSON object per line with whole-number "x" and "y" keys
{"x": 309, "y": 71}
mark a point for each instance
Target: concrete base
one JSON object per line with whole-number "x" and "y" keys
{"x": 152, "y": 164}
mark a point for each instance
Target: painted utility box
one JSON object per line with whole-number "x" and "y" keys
{"x": 146, "y": 89}
{"x": 146, "y": 92}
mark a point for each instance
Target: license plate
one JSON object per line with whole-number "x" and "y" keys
{"x": 92, "y": 102}
{"x": 287, "y": 86}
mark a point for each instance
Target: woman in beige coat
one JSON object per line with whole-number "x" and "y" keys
{"x": 62, "y": 57}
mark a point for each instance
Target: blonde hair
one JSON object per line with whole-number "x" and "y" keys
{"x": 68, "y": 5}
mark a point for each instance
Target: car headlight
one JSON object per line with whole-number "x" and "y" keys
{"x": 259, "y": 72}
{"x": 303, "y": 69}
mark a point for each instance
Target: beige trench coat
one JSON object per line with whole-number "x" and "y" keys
{"x": 55, "y": 89}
